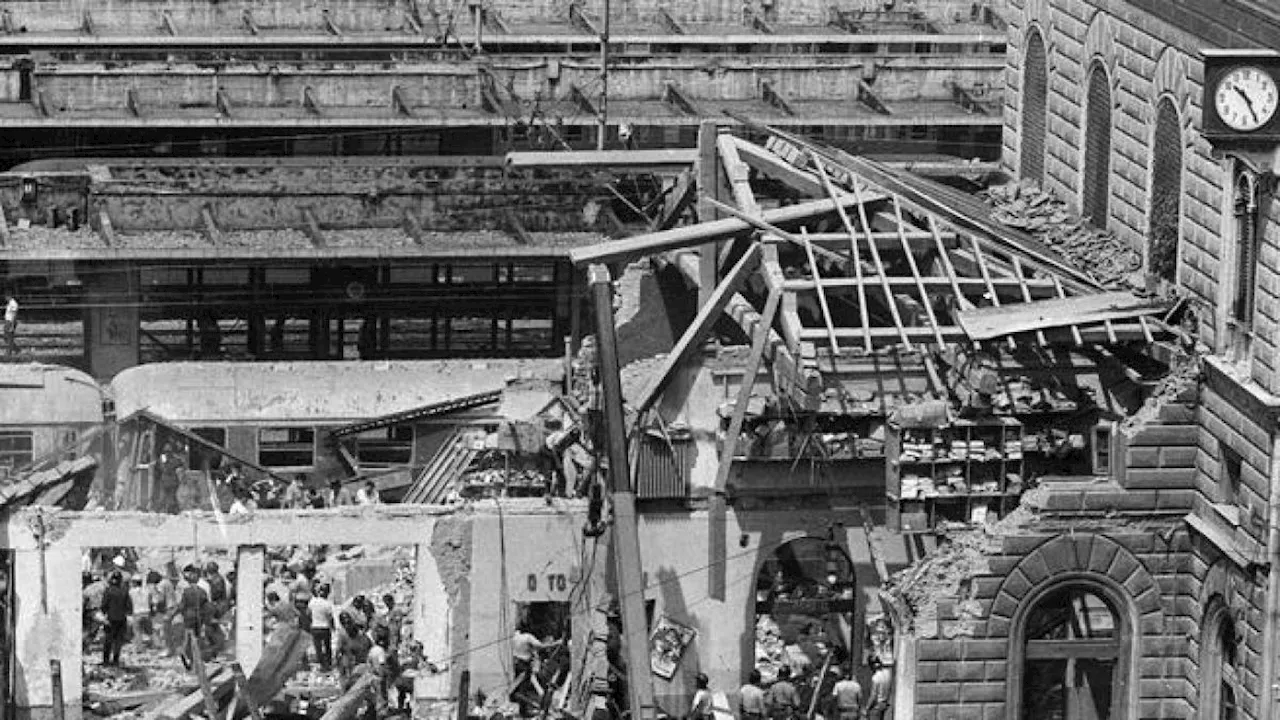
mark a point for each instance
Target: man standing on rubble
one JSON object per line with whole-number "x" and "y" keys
{"x": 118, "y": 607}
{"x": 11, "y": 324}
{"x": 195, "y": 611}
{"x": 321, "y": 611}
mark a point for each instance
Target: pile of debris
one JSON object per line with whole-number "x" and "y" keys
{"x": 1100, "y": 253}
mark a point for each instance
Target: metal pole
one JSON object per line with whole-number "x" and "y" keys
{"x": 626, "y": 536}
{"x": 603, "y": 130}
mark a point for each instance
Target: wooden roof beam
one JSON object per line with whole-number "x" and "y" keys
{"x": 633, "y": 248}
{"x": 886, "y": 336}
{"x": 1039, "y": 289}
{"x": 669, "y": 23}
{"x": 578, "y": 17}
{"x": 581, "y": 101}
{"x": 310, "y": 101}
{"x": 855, "y": 257}
{"x": 775, "y": 99}
{"x": 867, "y": 97}
{"x": 400, "y": 102}
{"x": 311, "y": 226}
{"x": 673, "y": 95}
{"x": 738, "y": 173}
{"x": 701, "y": 326}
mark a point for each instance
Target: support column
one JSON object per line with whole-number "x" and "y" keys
{"x": 709, "y": 186}
{"x": 432, "y": 626}
{"x": 250, "y": 577}
{"x": 111, "y": 323}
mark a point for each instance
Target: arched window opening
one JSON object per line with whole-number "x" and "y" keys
{"x": 1095, "y": 178}
{"x": 1035, "y": 95}
{"x": 1245, "y": 214}
{"x": 1074, "y": 660}
{"x": 1218, "y": 664}
{"x": 1166, "y": 194}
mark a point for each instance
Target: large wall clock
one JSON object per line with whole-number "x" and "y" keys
{"x": 1241, "y": 96}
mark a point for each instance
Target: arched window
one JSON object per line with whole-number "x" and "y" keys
{"x": 1095, "y": 178}
{"x": 1074, "y": 657}
{"x": 1035, "y": 94}
{"x": 1245, "y": 215}
{"x": 1166, "y": 193}
{"x": 1219, "y": 655}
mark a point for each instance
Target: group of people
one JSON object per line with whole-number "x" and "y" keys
{"x": 179, "y": 615}
{"x": 297, "y": 496}
{"x": 354, "y": 637}
{"x": 840, "y": 698}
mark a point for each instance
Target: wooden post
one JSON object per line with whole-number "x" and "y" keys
{"x": 197, "y": 664}
{"x": 243, "y": 694}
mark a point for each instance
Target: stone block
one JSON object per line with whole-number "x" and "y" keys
{"x": 1175, "y": 499}
{"x": 1004, "y": 606}
{"x": 960, "y": 712}
{"x": 961, "y": 671}
{"x": 1102, "y": 555}
{"x": 997, "y": 670}
{"x": 1179, "y": 456}
{"x": 937, "y": 693}
{"x": 1160, "y": 435}
{"x": 1156, "y": 478}
{"x": 985, "y": 588}
{"x": 1122, "y": 567}
{"x": 980, "y": 692}
{"x": 998, "y": 627}
{"x": 1178, "y": 413}
{"x": 1021, "y": 544}
{"x": 926, "y": 712}
{"x": 994, "y": 711}
{"x": 990, "y": 649}
{"x": 939, "y": 650}
{"x": 927, "y": 671}
{"x": 1143, "y": 457}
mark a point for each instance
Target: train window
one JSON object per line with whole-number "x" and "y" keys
{"x": 533, "y": 273}
{"x": 288, "y": 276}
{"x": 16, "y": 449}
{"x": 468, "y": 274}
{"x": 385, "y": 446}
{"x": 225, "y": 276}
{"x": 286, "y": 447}
{"x": 161, "y": 276}
{"x": 413, "y": 274}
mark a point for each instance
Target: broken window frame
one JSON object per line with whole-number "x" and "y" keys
{"x": 12, "y": 455}
{"x": 1116, "y": 649}
{"x": 294, "y": 445}
{"x": 385, "y": 447}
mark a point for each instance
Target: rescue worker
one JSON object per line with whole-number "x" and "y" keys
{"x": 195, "y": 610}
{"x": 846, "y": 696}
{"x": 700, "y": 709}
{"x": 783, "y": 699}
{"x": 11, "y": 324}
{"x": 751, "y": 704}
{"x": 322, "y": 621}
{"x": 118, "y": 607}
{"x": 881, "y": 689}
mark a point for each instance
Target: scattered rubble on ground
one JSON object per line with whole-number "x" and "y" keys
{"x": 1098, "y": 252}
{"x": 1179, "y": 386}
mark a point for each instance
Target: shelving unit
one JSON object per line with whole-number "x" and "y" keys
{"x": 972, "y": 471}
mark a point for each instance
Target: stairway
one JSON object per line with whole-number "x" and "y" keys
{"x": 441, "y": 474}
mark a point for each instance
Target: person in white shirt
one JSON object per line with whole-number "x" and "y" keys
{"x": 322, "y": 622}
{"x": 701, "y": 706}
{"x": 368, "y": 495}
{"x": 11, "y": 324}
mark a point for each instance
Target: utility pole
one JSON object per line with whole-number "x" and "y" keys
{"x": 626, "y": 535}
{"x": 603, "y": 112}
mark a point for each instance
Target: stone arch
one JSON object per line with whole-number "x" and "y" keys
{"x": 1085, "y": 555}
{"x": 1173, "y": 70}
{"x": 1100, "y": 44}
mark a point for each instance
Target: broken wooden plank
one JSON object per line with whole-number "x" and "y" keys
{"x": 243, "y": 696}
{"x": 221, "y": 685}
{"x": 657, "y": 159}
{"x": 883, "y": 336}
{"x": 283, "y": 653}
{"x": 1040, "y": 289}
{"x": 993, "y": 322}
{"x": 915, "y": 273}
{"x": 202, "y": 677}
{"x": 707, "y": 316}
{"x": 633, "y": 248}
{"x": 855, "y": 257}
{"x": 346, "y": 707}
{"x": 768, "y": 227}
{"x": 822, "y": 294}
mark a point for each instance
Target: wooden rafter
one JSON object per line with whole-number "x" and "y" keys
{"x": 707, "y": 316}
{"x": 875, "y": 258}
{"x": 1075, "y": 329}
{"x": 854, "y": 255}
{"x": 1026, "y": 294}
{"x": 964, "y": 287}
{"x": 986, "y": 278}
{"x": 822, "y": 294}
{"x": 915, "y": 273}
{"x": 768, "y": 227}
{"x": 1125, "y": 332}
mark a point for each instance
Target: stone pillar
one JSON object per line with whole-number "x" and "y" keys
{"x": 250, "y": 576}
{"x": 432, "y": 625}
{"x": 40, "y": 635}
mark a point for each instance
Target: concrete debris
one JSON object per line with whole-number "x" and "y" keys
{"x": 1179, "y": 386}
{"x": 944, "y": 577}
{"x": 1097, "y": 252}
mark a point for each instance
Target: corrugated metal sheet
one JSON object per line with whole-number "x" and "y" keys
{"x": 662, "y": 469}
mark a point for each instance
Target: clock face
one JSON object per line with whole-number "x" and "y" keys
{"x": 1246, "y": 98}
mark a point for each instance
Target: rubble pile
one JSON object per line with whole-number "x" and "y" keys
{"x": 1098, "y": 252}
{"x": 1179, "y": 386}
{"x": 771, "y": 650}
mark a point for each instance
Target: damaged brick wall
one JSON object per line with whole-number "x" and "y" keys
{"x": 451, "y": 547}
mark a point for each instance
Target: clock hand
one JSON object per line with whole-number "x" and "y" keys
{"x": 1248, "y": 102}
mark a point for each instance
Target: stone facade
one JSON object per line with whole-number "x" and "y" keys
{"x": 1197, "y": 586}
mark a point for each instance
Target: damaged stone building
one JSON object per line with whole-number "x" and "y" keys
{"x": 1016, "y": 447}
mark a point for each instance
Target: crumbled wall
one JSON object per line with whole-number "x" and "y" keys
{"x": 451, "y": 548}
